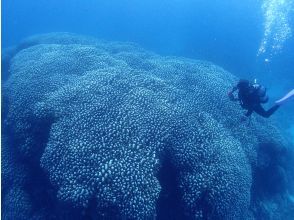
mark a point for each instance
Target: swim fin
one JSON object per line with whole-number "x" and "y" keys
{"x": 285, "y": 98}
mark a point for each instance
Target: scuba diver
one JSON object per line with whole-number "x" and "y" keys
{"x": 252, "y": 95}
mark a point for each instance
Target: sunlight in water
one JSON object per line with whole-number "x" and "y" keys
{"x": 276, "y": 25}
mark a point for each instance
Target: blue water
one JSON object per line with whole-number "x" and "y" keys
{"x": 225, "y": 32}
{"x": 248, "y": 39}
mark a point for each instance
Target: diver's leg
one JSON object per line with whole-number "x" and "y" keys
{"x": 260, "y": 110}
{"x": 272, "y": 110}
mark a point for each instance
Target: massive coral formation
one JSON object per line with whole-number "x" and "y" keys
{"x": 95, "y": 120}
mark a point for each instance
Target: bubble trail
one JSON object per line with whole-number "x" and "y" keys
{"x": 276, "y": 26}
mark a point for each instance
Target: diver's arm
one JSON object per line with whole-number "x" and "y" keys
{"x": 231, "y": 95}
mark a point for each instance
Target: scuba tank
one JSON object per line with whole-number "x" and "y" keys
{"x": 260, "y": 91}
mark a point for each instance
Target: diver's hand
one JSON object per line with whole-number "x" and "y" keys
{"x": 231, "y": 96}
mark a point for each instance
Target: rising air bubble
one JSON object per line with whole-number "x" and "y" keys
{"x": 276, "y": 26}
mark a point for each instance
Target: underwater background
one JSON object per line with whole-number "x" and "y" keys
{"x": 118, "y": 109}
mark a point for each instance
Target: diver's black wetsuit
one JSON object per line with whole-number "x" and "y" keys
{"x": 250, "y": 99}
{"x": 260, "y": 110}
